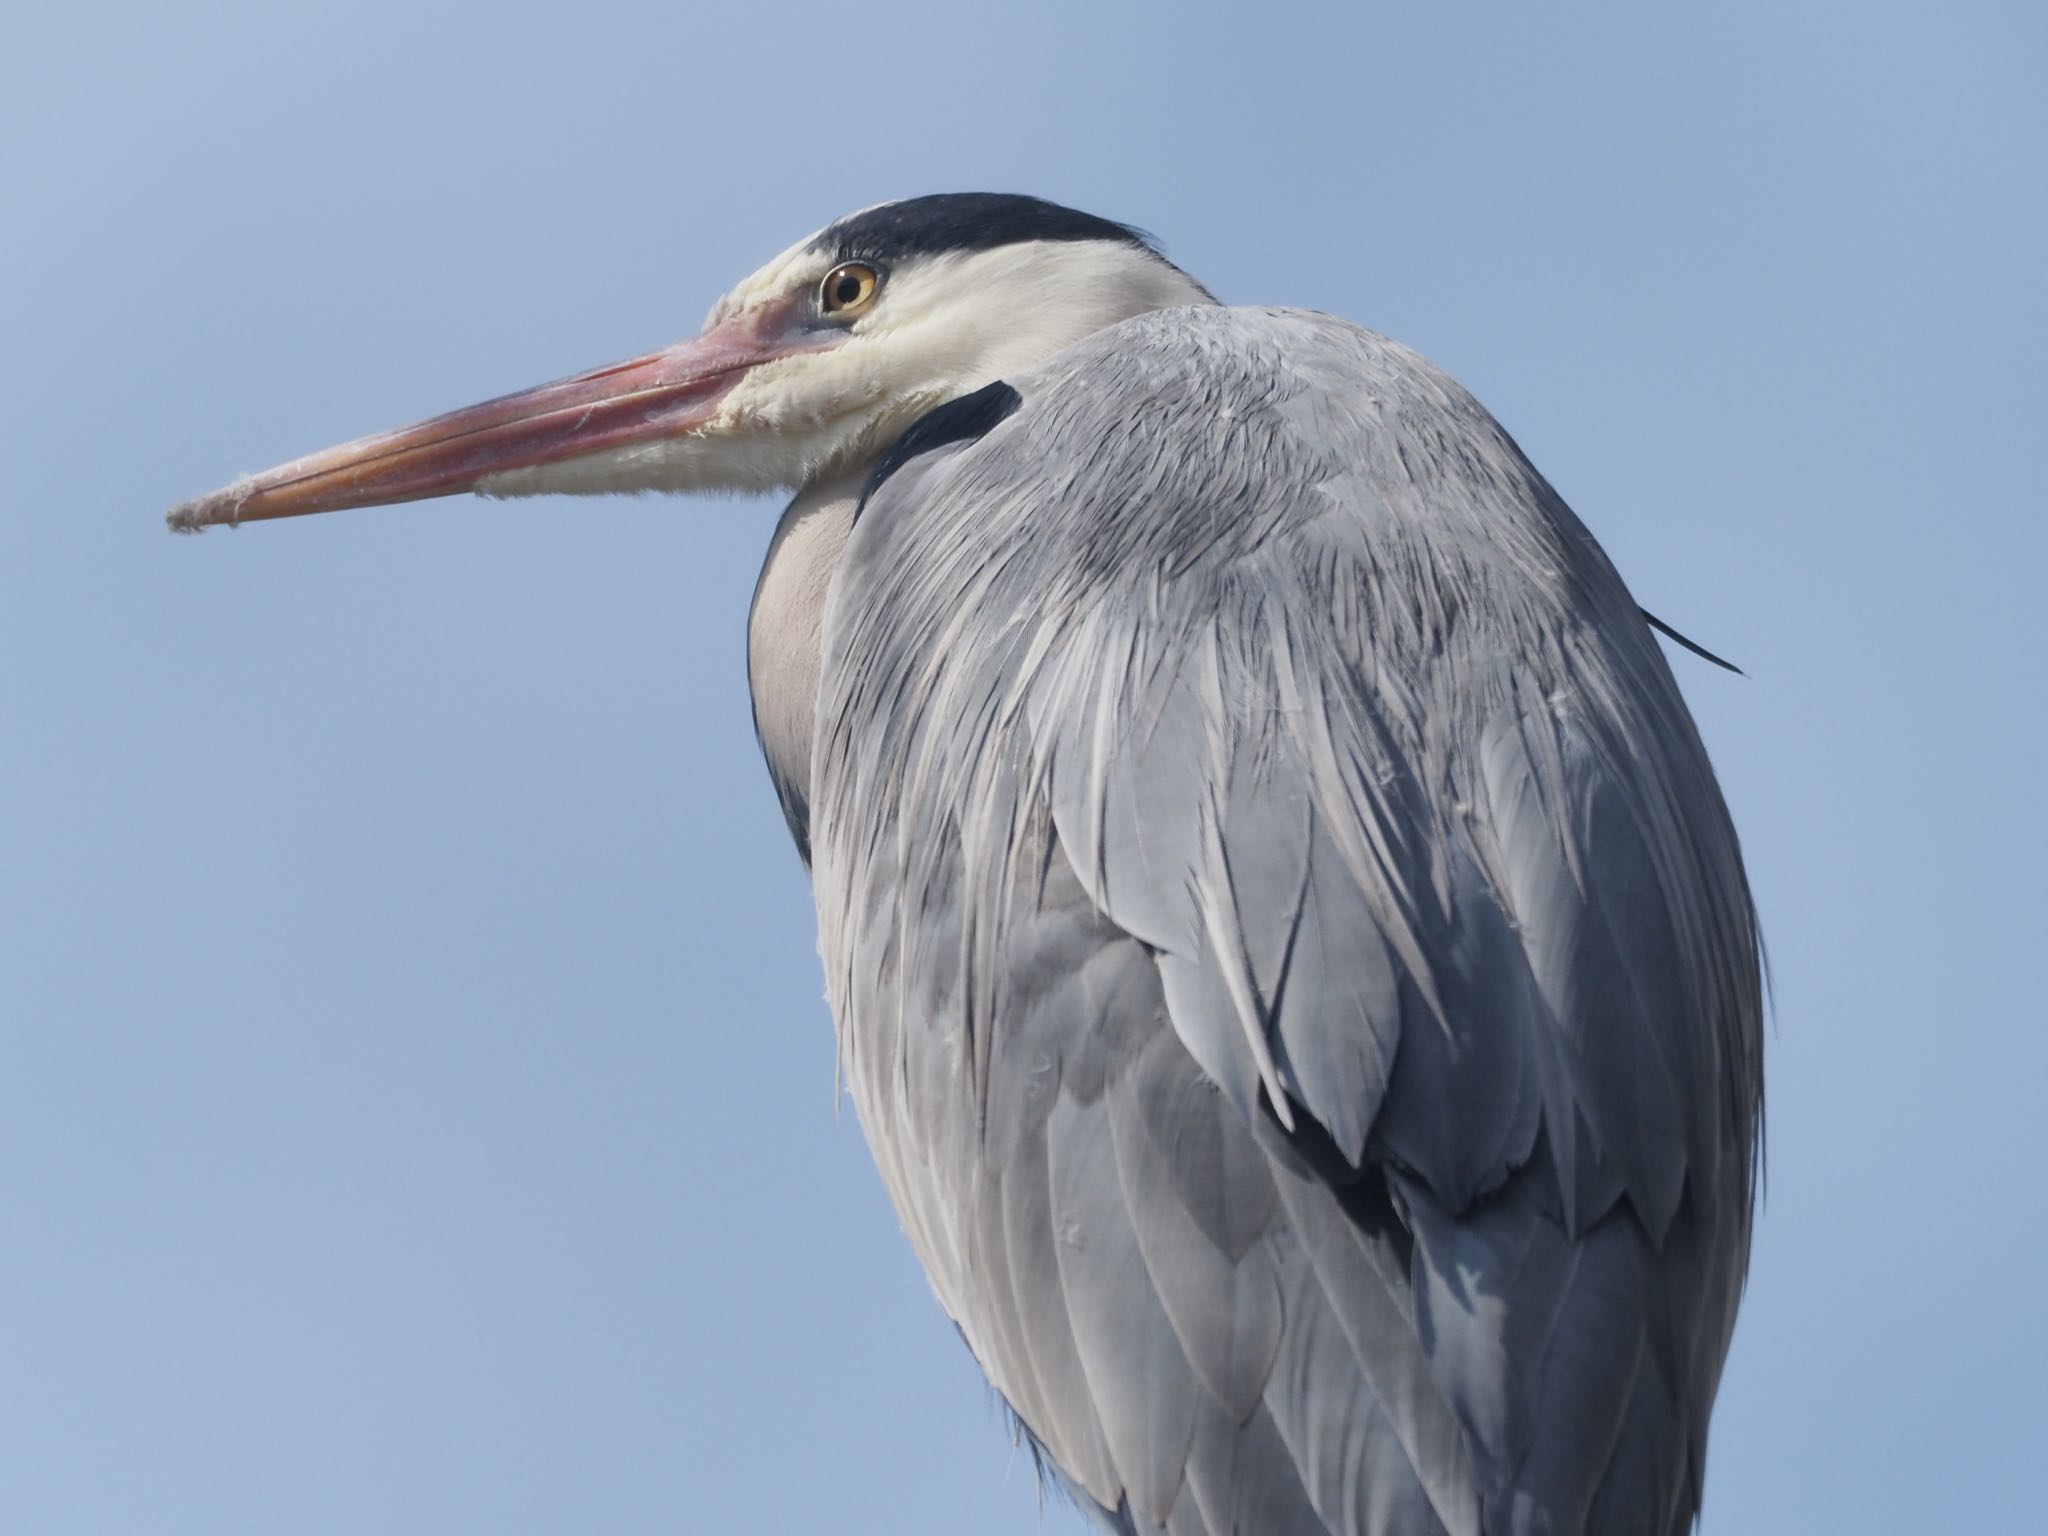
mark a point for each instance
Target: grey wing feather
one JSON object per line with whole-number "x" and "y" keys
{"x": 1291, "y": 957}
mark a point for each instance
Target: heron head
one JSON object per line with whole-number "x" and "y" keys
{"x": 808, "y": 368}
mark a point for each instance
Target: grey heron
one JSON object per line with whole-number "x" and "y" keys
{"x": 1288, "y": 949}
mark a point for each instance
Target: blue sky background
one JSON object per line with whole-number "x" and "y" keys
{"x": 416, "y": 1102}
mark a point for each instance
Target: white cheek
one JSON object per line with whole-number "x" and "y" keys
{"x": 814, "y": 400}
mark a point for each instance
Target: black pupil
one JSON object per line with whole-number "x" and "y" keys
{"x": 847, "y": 289}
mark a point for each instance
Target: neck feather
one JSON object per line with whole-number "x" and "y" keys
{"x": 785, "y": 637}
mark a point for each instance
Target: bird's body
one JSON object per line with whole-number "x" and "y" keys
{"x": 1290, "y": 957}
{"x": 1243, "y": 721}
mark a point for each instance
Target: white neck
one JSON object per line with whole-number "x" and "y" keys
{"x": 786, "y": 632}
{"x": 989, "y": 315}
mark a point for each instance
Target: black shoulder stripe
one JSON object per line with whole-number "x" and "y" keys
{"x": 957, "y": 421}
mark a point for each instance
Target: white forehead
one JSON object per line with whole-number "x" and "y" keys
{"x": 800, "y": 264}
{"x": 1128, "y": 279}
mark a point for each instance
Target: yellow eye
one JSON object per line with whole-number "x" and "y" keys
{"x": 848, "y": 288}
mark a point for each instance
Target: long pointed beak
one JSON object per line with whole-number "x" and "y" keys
{"x": 664, "y": 394}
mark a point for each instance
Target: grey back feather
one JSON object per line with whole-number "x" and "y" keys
{"x": 1291, "y": 958}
